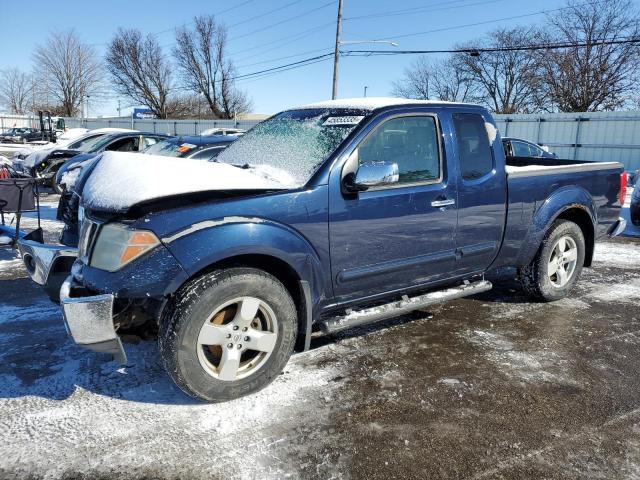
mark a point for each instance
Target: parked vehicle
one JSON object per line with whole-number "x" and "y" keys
{"x": 516, "y": 147}
{"x": 20, "y": 135}
{"x": 46, "y": 169}
{"x": 634, "y": 206}
{"x": 327, "y": 216}
{"x": 223, "y": 131}
{"x": 195, "y": 148}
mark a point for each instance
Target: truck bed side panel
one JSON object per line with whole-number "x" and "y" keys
{"x": 536, "y": 200}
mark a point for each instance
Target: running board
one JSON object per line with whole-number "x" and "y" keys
{"x": 355, "y": 318}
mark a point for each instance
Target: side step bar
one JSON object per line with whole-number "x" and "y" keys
{"x": 355, "y": 318}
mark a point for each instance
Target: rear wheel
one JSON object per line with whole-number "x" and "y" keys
{"x": 557, "y": 265}
{"x": 228, "y": 334}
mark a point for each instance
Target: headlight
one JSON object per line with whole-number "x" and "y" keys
{"x": 117, "y": 245}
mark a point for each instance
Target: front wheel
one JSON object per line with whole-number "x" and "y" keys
{"x": 557, "y": 265}
{"x": 228, "y": 333}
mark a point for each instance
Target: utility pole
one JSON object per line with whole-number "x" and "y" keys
{"x": 365, "y": 90}
{"x": 119, "y": 115}
{"x": 336, "y": 53}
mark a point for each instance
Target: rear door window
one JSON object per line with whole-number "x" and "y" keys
{"x": 474, "y": 149}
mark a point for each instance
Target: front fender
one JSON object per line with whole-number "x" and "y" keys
{"x": 558, "y": 202}
{"x": 202, "y": 245}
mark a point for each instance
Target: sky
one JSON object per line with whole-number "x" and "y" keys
{"x": 266, "y": 34}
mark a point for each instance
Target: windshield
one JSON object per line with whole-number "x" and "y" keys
{"x": 294, "y": 142}
{"x": 84, "y": 144}
{"x": 172, "y": 147}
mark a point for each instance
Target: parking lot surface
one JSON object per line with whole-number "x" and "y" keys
{"x": 492, "y": 386}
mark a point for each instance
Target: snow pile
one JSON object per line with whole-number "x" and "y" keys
{"x": 121, "y": 180}
{"x": 4, "y": 240}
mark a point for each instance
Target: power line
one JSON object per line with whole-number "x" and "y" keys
{"x": 423, "y": 9}
{"x": 443, "y": 29}
{"x": 291, "y": 38}
{"x": 296, "y": 17}
{"x": 247, "y": 20}
{"x": 477, "y": 51}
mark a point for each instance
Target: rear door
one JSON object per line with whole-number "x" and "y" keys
{"x": 482, "y": 191}
{"x": 399, "y": 236}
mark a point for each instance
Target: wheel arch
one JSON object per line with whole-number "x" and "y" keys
{"x": 297, "y": 287}
{"x": 571, "y": 203}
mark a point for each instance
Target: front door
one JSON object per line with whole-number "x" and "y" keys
{"x": 399, "y": 236}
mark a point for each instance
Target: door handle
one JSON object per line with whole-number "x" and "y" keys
{"x": 443, "y": 203}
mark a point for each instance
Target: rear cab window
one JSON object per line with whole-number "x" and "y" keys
{"x": 474, "y": 149}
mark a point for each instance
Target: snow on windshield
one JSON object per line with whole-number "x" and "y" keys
{"x": 293, "y": 143}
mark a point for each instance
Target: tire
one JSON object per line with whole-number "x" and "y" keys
{"x": 210, "y": 306}
{"x": 538, "y": 278}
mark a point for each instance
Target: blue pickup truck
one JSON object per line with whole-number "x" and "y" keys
{"x": 327, "y": 216}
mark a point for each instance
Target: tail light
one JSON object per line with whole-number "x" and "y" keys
{"x": 623, "y": 187}
{"x": 4, "y": 173}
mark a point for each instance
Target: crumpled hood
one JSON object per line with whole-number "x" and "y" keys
{"x": 121, "y": 180}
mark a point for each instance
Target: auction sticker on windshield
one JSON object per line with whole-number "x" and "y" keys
{"x": 348, "y": 120}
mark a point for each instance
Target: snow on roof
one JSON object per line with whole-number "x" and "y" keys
{"x": 373, "y": 103}
{"x": 121, "y": 180}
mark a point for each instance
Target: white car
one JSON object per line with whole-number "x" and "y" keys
{"x": 234, "y": 132}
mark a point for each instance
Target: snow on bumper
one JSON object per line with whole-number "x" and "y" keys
{"x": 89, "y": 320}
{"x": 39, "y": 258}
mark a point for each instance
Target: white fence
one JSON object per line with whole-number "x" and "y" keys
{"x": 170, "y": 127}
{"x": 599, "y": 136}
{"x": 8, "y": 121}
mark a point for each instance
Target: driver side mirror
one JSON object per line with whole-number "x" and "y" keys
{"x": 372, "y": 174}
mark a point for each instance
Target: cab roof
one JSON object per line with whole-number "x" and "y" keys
{"x": 374, "y": 103}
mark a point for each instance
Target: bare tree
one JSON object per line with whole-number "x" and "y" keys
{"x": 201, "y": 56}
{"x": 16, "y": 88}
{"x": 70, "y": 70}
{"x": 440, "y": 80}
{"x": 506, "y": 79}
{"x": 597, "y": 76}
{"x": 140, "y": 70}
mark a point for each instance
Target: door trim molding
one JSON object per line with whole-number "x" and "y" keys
{"x": 391, "y": 266}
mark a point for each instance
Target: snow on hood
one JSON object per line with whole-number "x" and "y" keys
{"x": 121, "y": 180}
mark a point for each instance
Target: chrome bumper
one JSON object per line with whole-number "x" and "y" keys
{"x": 89, "y": 320}
{"x": 619, "y": 227}
{"x": 39, "y": 258}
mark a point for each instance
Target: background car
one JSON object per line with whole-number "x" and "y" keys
{"x": 21, "y": 135}
{"x": 223, "y": 131}
{"x": 46, "y": 170}
{"x": 516, "y": 147}
{"x": 196, "y": 147}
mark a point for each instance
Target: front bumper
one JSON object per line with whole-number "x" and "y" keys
{"x": 89, "y": 320}
{"x": 47, "y": 265}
